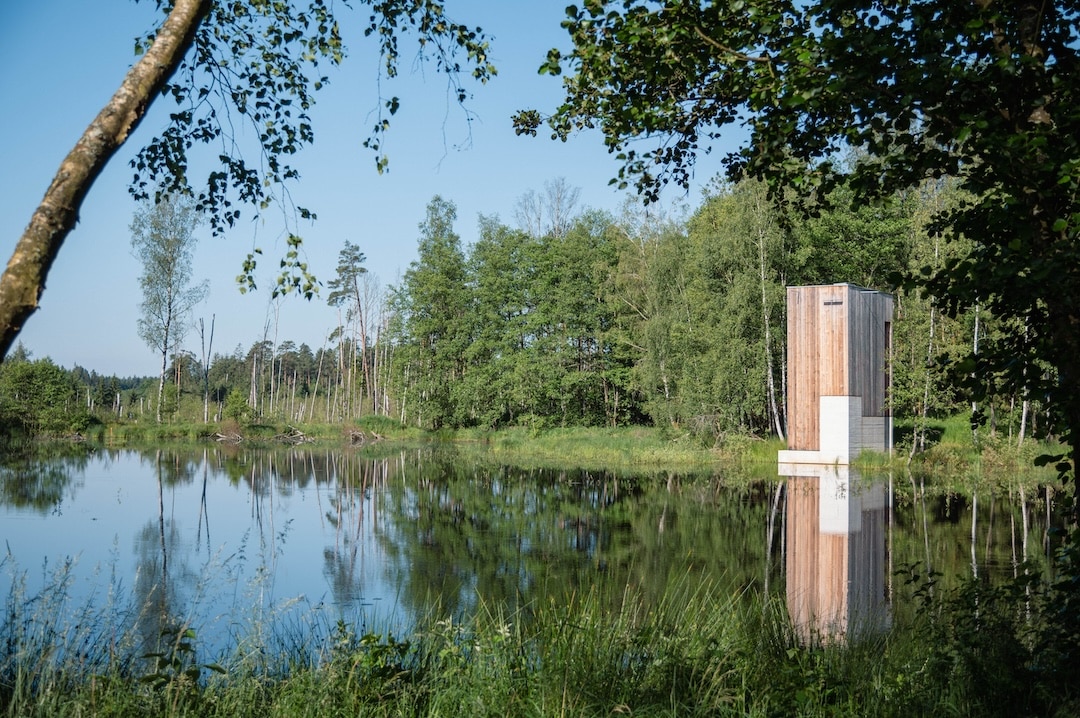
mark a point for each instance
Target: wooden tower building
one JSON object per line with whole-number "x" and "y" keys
{"x": 839, "y": 337}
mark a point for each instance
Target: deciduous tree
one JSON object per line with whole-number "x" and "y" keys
{"x": 987, "y": 92}
{"x": 163, "y": 239}
{"x": 436, "y": 306}
{"x": 39, "y": 397}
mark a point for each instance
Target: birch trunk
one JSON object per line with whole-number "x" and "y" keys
{"x": 24, "y": 279}
{"x": 206, "y": 351}
{"x": 766, "y": 316}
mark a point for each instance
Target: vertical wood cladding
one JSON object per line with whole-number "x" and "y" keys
{"x": 837, "y": 346}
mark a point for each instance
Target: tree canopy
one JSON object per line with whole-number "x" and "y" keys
{"x": 984, "y": 92}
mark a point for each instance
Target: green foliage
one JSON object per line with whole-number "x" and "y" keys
{"x": 849, "y": 240}
{"x": 261, "y": 64}
{"x": 614, "y": 322}
{"x": 697, "y": 652}
{"x": 626, "y": 636}
{"x": 174, "y": 668}
{"x": 502, "y": 263}
{"x": 345, "y": 287}
{"x": 983, "y": 93}
{"x": 520, "y": 331}
{"x": 1000, "y": 650}
{"x": 436, "y": 304}
{"x": 163, "y": 239}
{"x": 365, "y": 669}
{"x": 237, "y": 407}
{"x": 170, "y": 400}
{"x": 39, "y": 397}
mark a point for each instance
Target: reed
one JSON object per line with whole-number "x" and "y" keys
{"x": 699, "y": 651}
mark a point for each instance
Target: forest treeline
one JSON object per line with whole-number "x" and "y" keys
{"x": 575, "y": 318}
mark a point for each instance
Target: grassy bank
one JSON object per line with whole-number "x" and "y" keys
{"x": 615, "y": 448}
{"x": 367, "y": 430}
{"x": 700, "y": 652}
{"x": 952, "y": 451}
{"x": 581, "y": 447}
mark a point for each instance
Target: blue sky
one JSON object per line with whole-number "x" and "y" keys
{"x": 60, "y": 61}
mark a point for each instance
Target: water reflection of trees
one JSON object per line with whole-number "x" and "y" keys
{"x": 163, "y": 577}
{"x": 32, "y": 478}
{"x": 447, "y": 533}
{"x": 349, "y": 511}
{"x": 422, "y": 528}
{"x": 457, "y": 535}
{"x": 989, "y": 531}
{"x": 343, "y": 483}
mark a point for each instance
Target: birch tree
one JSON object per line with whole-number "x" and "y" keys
{"x": 435, "y": 303}
{"x": 163, "y": 239}
{"x": 224, "y": 66}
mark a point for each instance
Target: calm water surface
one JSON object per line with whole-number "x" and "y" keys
{"x": 234, "y": 540}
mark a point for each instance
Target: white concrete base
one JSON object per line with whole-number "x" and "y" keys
{"x": 843, "y": 432}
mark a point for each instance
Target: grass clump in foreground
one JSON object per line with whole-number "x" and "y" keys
{"x": 701, "y": 651}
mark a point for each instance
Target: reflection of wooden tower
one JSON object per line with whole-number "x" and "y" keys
{"x": 837, "y": 392}
{"x": 835, "y": 555}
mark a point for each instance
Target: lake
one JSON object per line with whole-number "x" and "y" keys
{"x": 236, "y": 541}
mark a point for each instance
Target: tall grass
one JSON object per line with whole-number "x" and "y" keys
{"x": 700, "y": 651}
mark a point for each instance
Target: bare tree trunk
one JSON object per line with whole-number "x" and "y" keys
{"x": 179, "y": 374}
{"x": 975, "y": 351}
{"x": 974, "y": 532}
{"x": 332, "y": 396}
{"x": 273, "y": 354}
{"x": 924, "y": 413}
{"x": 918, "y": 439}
{"x": 206, "y": 364}
{"x": 161, "y": 378}
{"x": 253, "y": 394}
{"x": 318, "y": 377}
{"x": 375, "y": 383}
{"x": 1026, "y": 403}
{"x": 766, "y": 317}
{"x": 404, "y": 393}
{"x": 361, "y": 335}
{"x": 24, "y": 279}
{"x": 342, "y": 377}
{"x": 1024, "y": 407}
{"x": 292, "y": 398}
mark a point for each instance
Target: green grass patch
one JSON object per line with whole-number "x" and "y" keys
{"x": 608, "y": 448}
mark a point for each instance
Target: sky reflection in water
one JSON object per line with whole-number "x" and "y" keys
{"x": 234, "y": 540}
